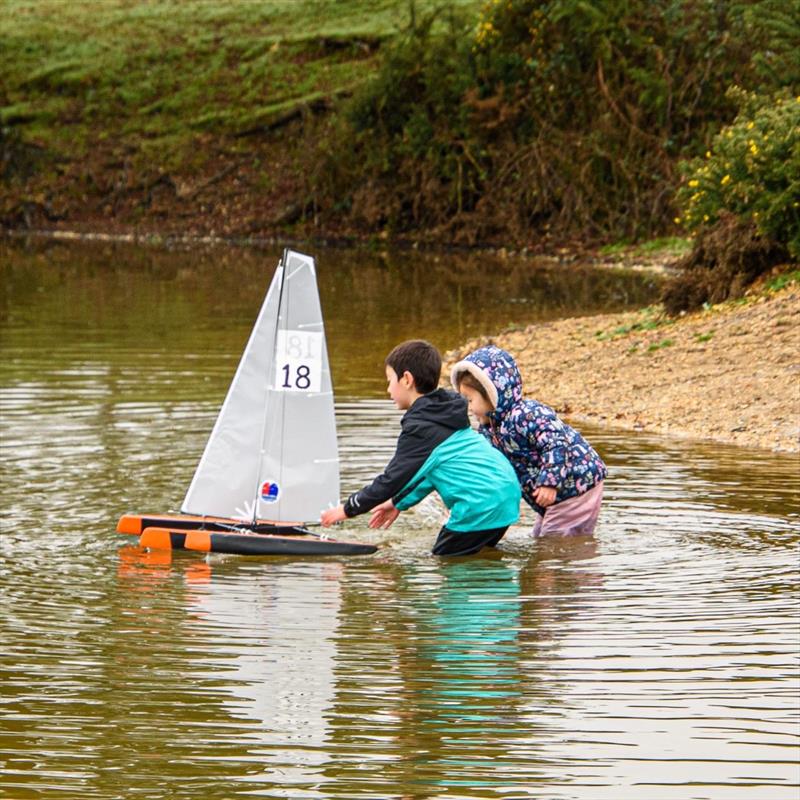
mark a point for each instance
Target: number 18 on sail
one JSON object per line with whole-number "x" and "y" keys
{"x": 298, "y": 361}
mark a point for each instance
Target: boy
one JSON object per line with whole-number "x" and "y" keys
{"x": 437, "y": 449}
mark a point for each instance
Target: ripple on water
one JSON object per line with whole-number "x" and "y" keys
{"x": 657, "y": 659}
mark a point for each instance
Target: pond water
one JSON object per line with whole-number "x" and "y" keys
{"x": 658, "y": 659}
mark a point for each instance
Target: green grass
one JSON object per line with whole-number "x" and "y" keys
{"x": 648, "y": 324}
{"x": 660, "y": 345}
{"x": 664, "y": 246}
{"x": 785, "y": 279}
{"x": 159, "y": 72}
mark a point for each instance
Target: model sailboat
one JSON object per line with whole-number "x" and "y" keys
{"x": 271, "y": 462}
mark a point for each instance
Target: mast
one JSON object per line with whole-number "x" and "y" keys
{"x": 279, "y": 276}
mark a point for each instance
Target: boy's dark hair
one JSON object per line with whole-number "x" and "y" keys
{"x": 421, "y": 359}
{"x": 466, "y": 379}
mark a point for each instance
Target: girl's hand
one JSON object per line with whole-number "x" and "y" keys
{"x": 544, "y": 495}
{"x": 332, "y": 516}
{"x": 383, "y": 515}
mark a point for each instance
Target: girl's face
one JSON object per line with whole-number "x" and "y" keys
{"x": 479, "y": 406}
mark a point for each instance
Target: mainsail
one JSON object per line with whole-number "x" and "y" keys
{"x": 272, "y": 454}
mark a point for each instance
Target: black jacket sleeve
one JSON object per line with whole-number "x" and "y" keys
{"x": 413, "y": 448}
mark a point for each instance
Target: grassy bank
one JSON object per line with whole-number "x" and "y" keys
{"x": 154, "y": 75}
{"x": 119, "y": 112}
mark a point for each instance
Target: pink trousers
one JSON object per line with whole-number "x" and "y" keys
{"x": 577, "y": 516}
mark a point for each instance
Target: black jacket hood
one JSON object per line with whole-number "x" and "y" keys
{"x": 439, "y": 409}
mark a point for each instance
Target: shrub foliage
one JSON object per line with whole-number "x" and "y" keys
{"x": 751, "y": 170}
{"x": 560, "y": 116}
{"x": 741, "y": 201}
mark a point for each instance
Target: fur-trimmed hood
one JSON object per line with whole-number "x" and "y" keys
{"x": 497, "y": 373}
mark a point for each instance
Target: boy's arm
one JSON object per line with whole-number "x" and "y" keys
{"x": 383, "y": 515}
{"x": 411, "y": 453}
{"x": 413, "y": 495}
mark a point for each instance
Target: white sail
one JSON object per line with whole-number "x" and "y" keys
{"x": 272, "y": 453}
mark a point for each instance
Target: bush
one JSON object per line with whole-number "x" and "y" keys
{"x": 752, "y": 171}
{"x": 727, "y": 257}
{"x": 742, "y": 201}
{"x": 399, "y": 157}
{"x": 556, "y": 116}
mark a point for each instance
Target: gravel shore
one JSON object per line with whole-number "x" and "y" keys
{"x": 730, "y": 373}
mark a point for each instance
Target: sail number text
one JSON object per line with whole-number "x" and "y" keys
{"x": 298, "y": 363}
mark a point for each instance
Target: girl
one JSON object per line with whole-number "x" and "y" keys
{"x": 560, "y": 474}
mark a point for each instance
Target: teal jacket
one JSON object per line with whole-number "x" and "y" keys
{"x": 475, "y": 481}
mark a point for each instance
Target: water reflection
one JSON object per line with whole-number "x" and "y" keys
{"x": 467, "y": 677}
{"x": 276, "y": 648}
{"x": 168, "y": 310}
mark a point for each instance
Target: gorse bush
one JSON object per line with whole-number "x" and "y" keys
{"x": 751, "y": 170}
{"x": 742, "y": 202}
{"x": 556, "y": 116}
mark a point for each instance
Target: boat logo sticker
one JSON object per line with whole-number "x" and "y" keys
{"x": 270, "y": 492}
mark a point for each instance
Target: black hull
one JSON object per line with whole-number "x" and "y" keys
{"x": 251, "y": 544}
{"x": 268, "y": 545}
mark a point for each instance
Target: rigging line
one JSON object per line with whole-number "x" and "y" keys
{"x": 270, "y": 378}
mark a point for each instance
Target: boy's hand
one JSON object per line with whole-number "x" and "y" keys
{"x": 544, "y": 495}
{"x": 332, "y": 516}
{"x": 383, "y": 515}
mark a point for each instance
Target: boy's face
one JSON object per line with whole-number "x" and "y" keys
{"x": 401, "y": 389}
{"x": 479, "y": 406}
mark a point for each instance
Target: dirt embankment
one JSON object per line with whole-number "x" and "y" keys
{"x": 730, "y": 373}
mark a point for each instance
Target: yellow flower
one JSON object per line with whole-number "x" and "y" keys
{"x": 692, "y": 184}
{"x": 726, "y": 180}
{"x": 708, "y": 154}
{"x": 677, "y": 220}
{"x": 705, "y": 217}
{"x": 751, "y": 125}
{"x": 753, "y": 148}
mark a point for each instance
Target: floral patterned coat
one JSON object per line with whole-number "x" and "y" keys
{"x": 543, "y": 449}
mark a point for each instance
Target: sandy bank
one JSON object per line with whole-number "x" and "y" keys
{"x": 730, "y": 373}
